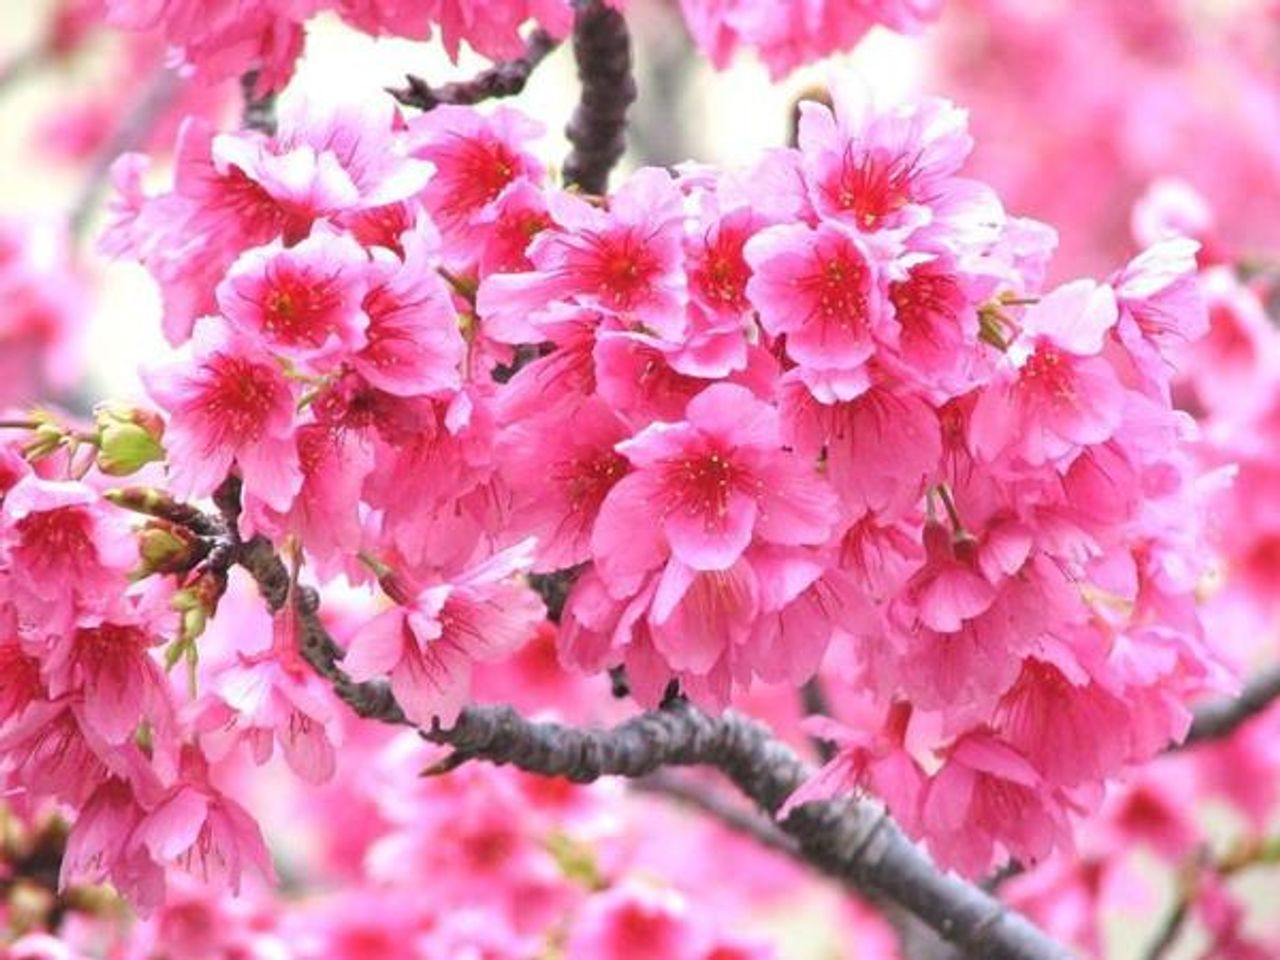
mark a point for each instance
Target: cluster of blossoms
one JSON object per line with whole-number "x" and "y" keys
{"x": 486, "y": 863}
{"x": 821, "y": 414}
{"x": 1078, "y": 107}
{"x": 1230, "y": 381}
{"x": 227, "y": 37}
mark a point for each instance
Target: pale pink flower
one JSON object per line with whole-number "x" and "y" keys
{"x": 326, "y": 159}
{"x": 275, "y": 696}
{"x": 200, "y": 829}
{"x": 1060, "y": 393}
{"x": 430, "y": 642}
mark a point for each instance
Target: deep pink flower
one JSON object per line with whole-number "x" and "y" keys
{"x": 634, "y": 922}
{"x": 874, "y": 761}
{"x": 99, "y": 847}
{"x": 882, "y": 168}
{"x": 414, "y": 346}
{"x": 477, "y": 158}
{"x": 229, "y": 404}
{"x": 560, "y": 478}
{"x": 713, "y": 482}
{"x": 107, "y": 663}
{"x": 303, "y": 301}
{"x": 822, "y": 289}
{"x": 66, "y": 549}
{"x": 882, "y": 448}
{"x": 48, "y": 751}
{"x": 1070, "y": 727}
{"x": 626, "y": 261}
{"x": 986, "y": 798}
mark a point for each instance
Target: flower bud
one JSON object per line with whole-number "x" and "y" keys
{"x": 168, "y": 548}
{"x": 45, "y": 439}
{"x": 128, "y": 439}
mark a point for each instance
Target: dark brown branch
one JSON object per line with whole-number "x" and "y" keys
{"x": 1221, "y": 718}
{"x": 854, "y": 841}
{"x": 598, "y": 130}
{"x": 813, "y": 698}
{"x": 259, "y": 111}
{"x": 501, "y": 80}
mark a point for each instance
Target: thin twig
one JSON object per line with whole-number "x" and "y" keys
{"x": 131, "y": 133}
{"x": 1221, "y": 718}
{"x": 259, "y": 112}
{"x": 813, "y": 698}
{"x": 501, "y": 80}
{"x": 598, "y": 130}
{"x": 18, "y": 66}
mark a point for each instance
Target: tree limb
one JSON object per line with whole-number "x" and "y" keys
{"x": 852, "y": 840}
{"x": 259, "y": 111}
{"x": 598, "y": 129}
{"x": 1221, "y": 718}
{"x": 501, "y": 80}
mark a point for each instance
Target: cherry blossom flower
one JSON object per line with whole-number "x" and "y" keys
{"x": 430, "y": 642}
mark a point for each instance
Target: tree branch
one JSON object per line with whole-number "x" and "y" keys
{"x": 501, "y": 80}
{"x": 259, "y": 112}
{"x": 1221, "y": 718}
{"x": 854, "y": 841}
{"x": 597, "y": 131}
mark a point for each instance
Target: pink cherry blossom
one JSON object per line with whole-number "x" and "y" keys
{"x": 624, "y": 260}
{"x": 986, "y": 790}
{"x": 66, "y": 552}
{"x": 1061, "y": 392}
{"x": 235, "y": 406}
{"x": 205, "y": 832}
{"x": 303, "y": 301}
{"x": 821, "y": 288}
{"x": 715, "y": 481}
{"x": 430, "y": 642}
